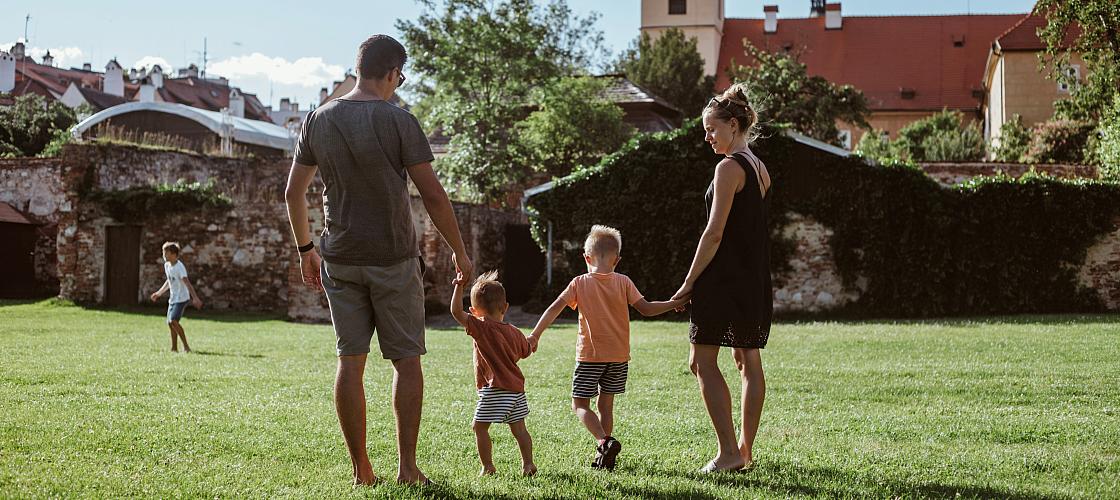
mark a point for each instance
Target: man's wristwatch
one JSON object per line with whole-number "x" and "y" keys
{"x": 307, "y": 248}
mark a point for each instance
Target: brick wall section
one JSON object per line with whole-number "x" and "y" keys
{"x": 1101, "y": 269}
{"x": 237, "y": 259}
{"x": 34, "y": 187}
{"x": 955, "y": 173}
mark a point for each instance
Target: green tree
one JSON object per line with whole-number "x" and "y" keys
{"x": 1094, "y": 27}
{"x": 671, "y": 67}
{"x": 784, "y": 94}
{"x": 875, "y": 145}
{"x": 1014, "y": 139}
{"x": 574, "y": 124}
{"x": 1108, "y": 151}
{"x": 477, "y": 62}
{"x": 31, "y": 123}
{"x": 940, "y": 137}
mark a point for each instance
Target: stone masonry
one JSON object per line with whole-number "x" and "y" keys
{"x": 34, "y": 187}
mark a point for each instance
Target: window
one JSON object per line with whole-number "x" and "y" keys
{"x": 677, "y": 7}
{"x": 1069, "y": 78}
{"x": 845, "y": 137}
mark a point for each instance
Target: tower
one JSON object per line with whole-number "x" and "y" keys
{"x": 699, "y": 19}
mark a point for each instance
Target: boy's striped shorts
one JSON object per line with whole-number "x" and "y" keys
{"x": 592, "y": 378}
{"x": 499, "y": 406}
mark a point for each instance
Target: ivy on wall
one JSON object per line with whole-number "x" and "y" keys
{"x": 136, "y": 204}
{"x": 989, "y": 246}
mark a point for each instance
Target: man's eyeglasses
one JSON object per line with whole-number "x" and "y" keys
{"x": 400, "y": 79}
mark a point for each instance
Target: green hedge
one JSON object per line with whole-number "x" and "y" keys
{"x": 991, "y": 246}
{"x": 137, "y": 204}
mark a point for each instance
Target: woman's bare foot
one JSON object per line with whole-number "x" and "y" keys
{"x": 487, "y": 471}
{"x": 414, "y": 477}
{"x": 529, "y": 470}
{"x": 723, "y": 464}
{"x": 748, "y": 458}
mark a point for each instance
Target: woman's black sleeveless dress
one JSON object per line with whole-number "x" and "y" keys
{"x": 732, "y": 300}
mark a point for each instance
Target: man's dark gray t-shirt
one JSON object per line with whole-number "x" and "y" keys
{"x": 362, "y": 149}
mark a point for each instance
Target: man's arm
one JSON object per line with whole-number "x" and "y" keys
{"x": 443, "y": 215}
{"x": 546, "y": 320}
{"x": 457, "y": 311}
{"x": 646, "y": 308}
{"x": 295, "y": 195}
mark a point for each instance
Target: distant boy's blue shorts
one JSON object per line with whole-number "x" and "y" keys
{"x": 175, "y": 311}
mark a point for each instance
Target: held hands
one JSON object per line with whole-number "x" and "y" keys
{"x": 309, "y": 268}
{"x": 463, "y": 266}
{"x": 534, "y": 341}
{"x": 682, "y": 297}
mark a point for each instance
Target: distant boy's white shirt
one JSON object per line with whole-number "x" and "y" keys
{"x": 176, "y": 273}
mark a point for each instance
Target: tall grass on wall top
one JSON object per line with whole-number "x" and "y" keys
{"x": 993, "y": 245}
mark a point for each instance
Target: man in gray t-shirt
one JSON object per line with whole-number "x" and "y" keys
{"x": 366, "y": 149}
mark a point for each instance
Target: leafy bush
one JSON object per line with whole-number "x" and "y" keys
{"x": 139, "y": 203}
{"x": 989, "y": 246}
{"x": 1108, "y": 148}
{"x": 1014, "y": 139}
{"x": 1059, "y": 141}
{"x": 32, "y": 122}
{"x": 940, "y": 137}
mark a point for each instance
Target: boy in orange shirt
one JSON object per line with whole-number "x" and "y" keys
{"x": 498, "y": 346}
{"x": 602, "y": 297}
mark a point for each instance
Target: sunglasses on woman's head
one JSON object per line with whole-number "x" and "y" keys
{"x": 719, "y": 103}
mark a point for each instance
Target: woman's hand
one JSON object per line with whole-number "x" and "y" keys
{"x": 685, "y": 291}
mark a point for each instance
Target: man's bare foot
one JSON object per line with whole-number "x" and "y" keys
{"x": 364, "y": 476}
{"x": 487, "y": 471}
{"x": 186, "y": 351}
{"x": 413, "y": 477}
{"x": 529, "y": 470}
{"x": 748, "y": 458}
{"x": 176, "y": 351}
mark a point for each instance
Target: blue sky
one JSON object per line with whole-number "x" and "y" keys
{"x": 285, "y": 48}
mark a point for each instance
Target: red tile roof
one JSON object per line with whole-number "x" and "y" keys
{"x": 9, "y": 214}
{"x": 209, "y": 94}
{"x": 883, "y": 55}
{"x": 1024, "y": 34}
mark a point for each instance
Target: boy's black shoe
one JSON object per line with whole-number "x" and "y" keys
{"x": 607, "y": 453}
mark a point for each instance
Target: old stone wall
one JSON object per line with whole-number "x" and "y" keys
{"x": 34, "y": 187}
{"x": 812, "y": 283}
{"x": 1101, "y": 270}
{"x": 236, "y": 258}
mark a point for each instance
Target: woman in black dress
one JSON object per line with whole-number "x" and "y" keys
{"x": 729, "y": 281}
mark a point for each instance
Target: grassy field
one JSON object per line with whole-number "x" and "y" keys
{"x": 92, "y": 404}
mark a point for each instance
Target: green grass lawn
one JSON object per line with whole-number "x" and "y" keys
{"x": 92, "y": 404}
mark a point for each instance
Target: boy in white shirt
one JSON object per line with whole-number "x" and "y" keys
{"x": 181, "y": 292}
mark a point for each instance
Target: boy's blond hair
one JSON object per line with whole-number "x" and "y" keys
{"x": 173, "y": 246}
{"x": 603, "y": 241}
{"x": 488, "y": 294}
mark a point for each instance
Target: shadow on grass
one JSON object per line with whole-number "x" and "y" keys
{"x": 215, "y": 353}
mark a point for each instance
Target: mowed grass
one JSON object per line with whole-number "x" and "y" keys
{"x": 92, "y": 404}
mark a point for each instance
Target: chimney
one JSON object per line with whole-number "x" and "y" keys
{"x": 157, "y": 76}
{"x": 334, "y": 86}
{"x": 295, "y": 106}
{"x": 182, "y": 72}
{"x": 816, "y": 8}
{"x": 87, "y": 67}
{"x": 323, "y": 95}
{"x": 770, "y": 25}
{"x": 192, "y": 71}
{"x": 132, "y": 76}
{"x": 236, "y": 104}
{"x": 17, "y": 50}
{"x": 48, "y": 59}
{"x": 832, "y": 18}
{"x": 285, "y": 104}
{"x": 147, "y": 91}
{"x": 113, "y": 80}
{"x": 7, "y": 72}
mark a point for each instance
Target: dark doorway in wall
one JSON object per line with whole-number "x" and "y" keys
{"x": 17, "y": 260}
{"x": 522, "y": 265}
{"x": 122, "y": 265}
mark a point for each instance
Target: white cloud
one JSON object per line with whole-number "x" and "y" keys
{"x": 309, "y": 72}
{"x": 149, "y": 61}
{"x": 64, "y": 57}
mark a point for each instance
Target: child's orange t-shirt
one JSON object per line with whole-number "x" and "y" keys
{"x": 603, "y": 301}
{"x": 497, "y": 349}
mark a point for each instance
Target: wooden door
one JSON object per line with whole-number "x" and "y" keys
{"x": 122, "y": 265}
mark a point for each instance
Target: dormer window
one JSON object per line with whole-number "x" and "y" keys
{"x": 1070, "y": 76}
{"x": 677, "y": 7}
{"x": 958, "y": 40}
{"x": 907, "y": 93}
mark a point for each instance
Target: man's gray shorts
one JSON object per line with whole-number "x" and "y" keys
{"x": 389, "y": 299}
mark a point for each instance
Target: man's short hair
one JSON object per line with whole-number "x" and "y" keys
{"x": 488, "y": 293}
{"x": 171, "y": 246}
{"x": 378, "y": 55}
{"x": 603, "y": 241}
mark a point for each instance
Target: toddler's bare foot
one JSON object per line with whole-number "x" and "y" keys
{"x": 487, "y": 471}
{"x": 529, "y": 470}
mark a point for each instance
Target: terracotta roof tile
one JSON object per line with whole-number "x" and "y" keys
{"x": 1024, "y": 34}
{"x": 883, "y": 55}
